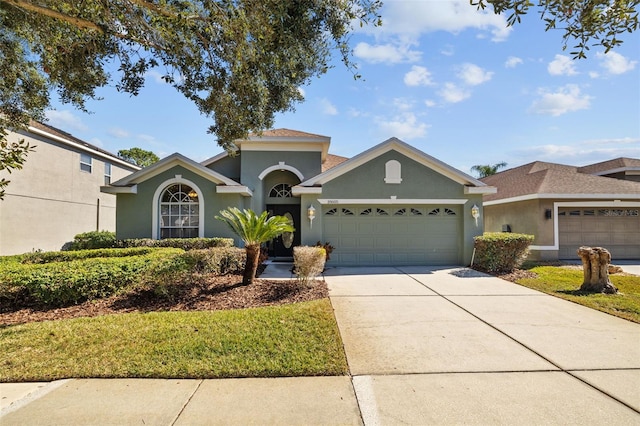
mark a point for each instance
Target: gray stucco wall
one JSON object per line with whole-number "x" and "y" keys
{"x": 135, "y": 211}
{"x": 228, "y": 166}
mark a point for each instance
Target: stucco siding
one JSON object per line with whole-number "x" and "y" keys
{"x": 51, "y": 199}
{"x": 525, "y": 217}
{"x": 228, "y": 166}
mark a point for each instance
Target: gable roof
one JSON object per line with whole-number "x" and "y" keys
{"x": 415, "y": 154}
{"x": 550, "y": 180}
{"x": 167, "y": 163}
{"x": 286, "y": 133}
{"x": 285, "y": 140}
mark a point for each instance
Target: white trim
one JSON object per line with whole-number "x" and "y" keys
{"x": 237, "y": 189}
{"x": 299, "y": 190}
{"x": 394, "y": 144}
{"x": 112, "y": 158}
{"x": 119, "y": 189}
{"x": 558, "y": 204}
{"x": 562, "y": 196}
{"x": 617, "y": 170}
{"x": 480, "y": 190}
{"x": 155, "y": 222}
{"x": 281, "y": 166}
{"x": 171, "y": 161}
{"x": 215, "y": 158}
{"x": 391, "y": 200}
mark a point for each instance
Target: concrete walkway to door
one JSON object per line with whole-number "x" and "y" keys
{"x": 454, "y": 346}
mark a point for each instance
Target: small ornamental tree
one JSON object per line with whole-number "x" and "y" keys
{"x": 254, "y": 230}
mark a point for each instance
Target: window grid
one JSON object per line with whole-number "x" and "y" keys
{"x": 86, "y": 163}
{"x": 179, "y": 212}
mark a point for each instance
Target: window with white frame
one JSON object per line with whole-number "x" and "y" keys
{"x": 86, "y": 163}
{"x": 179, "y": 212}
{"x": 107, "y": 173}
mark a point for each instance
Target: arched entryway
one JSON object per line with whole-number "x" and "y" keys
{"x": 279, "y": 201}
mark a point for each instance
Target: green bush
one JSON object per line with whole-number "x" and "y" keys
{"x": 500, "y": 251}
{"x": 217, "y": 261}
{"x": 66, "y": 256}
{"x": 183, "y": 243}
{"x": 56, "y": 284}
{"x": 93, "y": 240}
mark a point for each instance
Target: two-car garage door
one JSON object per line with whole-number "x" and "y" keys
{"x": 616, "y": 229}
{"x": 393, "y": 235}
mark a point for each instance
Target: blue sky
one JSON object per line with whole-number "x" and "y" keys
{"x": 453, "y": 82}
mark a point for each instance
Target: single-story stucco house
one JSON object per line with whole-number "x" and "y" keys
{"x": 566, "y": 207}
{"x": 390, "y": 205}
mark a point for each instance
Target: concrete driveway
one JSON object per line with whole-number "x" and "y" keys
{"x": 454, "y": 346}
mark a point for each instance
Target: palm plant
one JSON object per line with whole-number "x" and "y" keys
{"x": 488, "y": 170}
{"x": 253, "y": 230}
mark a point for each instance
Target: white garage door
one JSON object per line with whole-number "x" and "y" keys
{"x": 616, "y": 229}
{"x": 398, "y": 235}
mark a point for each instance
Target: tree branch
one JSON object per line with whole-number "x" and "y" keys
{"x": 78, "y": 22}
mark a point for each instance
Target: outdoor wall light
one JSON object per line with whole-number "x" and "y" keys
{"x": 475, "y": 213}
{"x": 311, "y": 214}
{"x": 547, "y": 213}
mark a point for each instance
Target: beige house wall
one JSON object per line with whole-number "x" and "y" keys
{"x": 51, "y": 199}
{"x": 524, "y": 217}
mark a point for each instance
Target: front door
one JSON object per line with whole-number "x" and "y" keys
{"x": 283, "y": 245}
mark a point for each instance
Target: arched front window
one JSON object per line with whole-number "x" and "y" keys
{"x": 179, "y": 212}
{"x": 281, "y": 190}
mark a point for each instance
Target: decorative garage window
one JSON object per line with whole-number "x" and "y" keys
{"x": 332, "y": 212}
{"x": 617, "y": 212}
{"x": 602, "y": 212}
{"x": 281, "y": 190}
{"x": 347, "y": 212}
{"x": 381, "y": 212}
{"x": 401, "y": 212}
{"x": 366, "y": 212}
{"x": 449, "y": 212}
{"x": 434, "y": 212}
{"x": 416, "y": 212}
{"x": 393, "y": 172}
{"x": 179, "y": 212}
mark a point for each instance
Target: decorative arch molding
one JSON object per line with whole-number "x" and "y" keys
{"x": 281, "y": 166}
{"x": 155, "y": 220}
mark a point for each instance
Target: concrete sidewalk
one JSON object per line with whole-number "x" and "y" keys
{"x": 424, "y": 346}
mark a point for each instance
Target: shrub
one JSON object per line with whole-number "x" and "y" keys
{"x": 66, "y": 283}
{"x": 308, "y": 263}
{"x": 93, "y": 240}
{"x": 501, "y": 251}
{"x": 66, "y": 256}
{"x": 218, "y": 261}
{"x": 183, "y": 243}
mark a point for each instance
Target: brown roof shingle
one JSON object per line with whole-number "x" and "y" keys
{"x": 331, "y": 161}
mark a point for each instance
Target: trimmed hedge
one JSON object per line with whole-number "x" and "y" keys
{"x": 66, "y": 256}
{"x": 217, "y": 261}
{"x": 182, "y": 243}
{"x": 93, "y": 240}
{"x": 66, "y": 283}
{"x": 500, "y": 251}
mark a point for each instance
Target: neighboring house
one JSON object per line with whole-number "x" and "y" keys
{"x": 57, "y": 193}
{"x": 566, "y": 207}
{"x": 390, "y": 205}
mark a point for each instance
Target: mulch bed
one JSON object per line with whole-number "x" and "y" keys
{"x": 205, "y": 293}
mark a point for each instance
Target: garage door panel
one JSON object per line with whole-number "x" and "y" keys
{"x": 405, "y": 236}
{"x": 617, "y": 230}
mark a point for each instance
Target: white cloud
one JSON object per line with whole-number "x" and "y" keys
{"x": 404, "y": 126}
{"x": 118, "y": 133}
{"x": 512, "y": 62}
{"x": 562, "y": 65}
{"x": 419, "y": 17}
{"x": 146, "y": 138}
{"x": 386, "y": 53}
{"x": 327, "y": 107}
{"x": 615, "y": 63}
{"x": 65, "y": 120}
{"x": 452, "y": 93}
{"x": 403, "y": 104}
{"x": 473, "y": 75}
{"x": 430, "y": 103}
{"x": 418, "y": 76}
{"x": 565, "y": 99}
{"x": 584, "y": 152}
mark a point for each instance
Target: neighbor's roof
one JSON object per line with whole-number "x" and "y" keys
{"x": 553, "y": 180}
{"x": 611, "y": 166}
{"x": 68, "y": 139}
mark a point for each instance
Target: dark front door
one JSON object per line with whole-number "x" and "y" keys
{"x": 283, "y": 245}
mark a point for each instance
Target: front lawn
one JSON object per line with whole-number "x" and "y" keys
{"x": 565, "y": 281}
{"x": 298, "y": 339}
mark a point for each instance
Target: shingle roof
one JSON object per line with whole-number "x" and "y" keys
{"x": 286, "y": 133}
{"x": 550, "y": 178}
{"x": 606, "y": 166}
{"x": 332, "y": 161}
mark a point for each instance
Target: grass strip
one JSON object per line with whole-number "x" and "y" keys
{"x": 565, "y": 283}
{"x": 300, "y": 339}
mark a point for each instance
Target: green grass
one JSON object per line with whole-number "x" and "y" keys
{"x": 300, "y": 339}
{"x": 565, "y": 283}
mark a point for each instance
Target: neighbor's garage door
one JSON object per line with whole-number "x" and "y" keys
{"x": 398, "y": 235}
{"x": 616, "y": 229}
